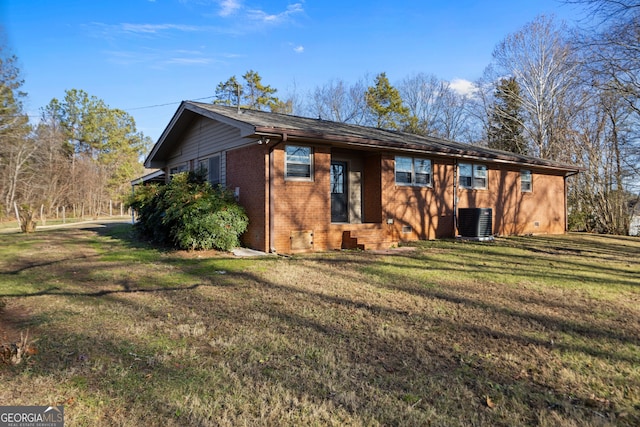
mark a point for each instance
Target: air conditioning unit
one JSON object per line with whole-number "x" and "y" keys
{"x": 475, "y": 222}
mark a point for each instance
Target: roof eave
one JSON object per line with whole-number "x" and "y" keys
{"x": 414, "y": 148}
{"x": 151, "y": 161}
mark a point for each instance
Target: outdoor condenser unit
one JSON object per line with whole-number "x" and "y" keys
{"x": 475, "y": 222}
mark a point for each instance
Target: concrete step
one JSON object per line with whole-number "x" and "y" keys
{"x": 366, "y": 238}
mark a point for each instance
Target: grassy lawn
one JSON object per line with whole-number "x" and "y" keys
{"x": 523, "y": 331}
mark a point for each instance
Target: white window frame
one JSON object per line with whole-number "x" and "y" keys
{"x": 526, "y": 181}
{"x": 290, "y": 161}
{"x": 214, "y": 180}
{"x": 479, "y": 178}
{"x": 413, "y": 173}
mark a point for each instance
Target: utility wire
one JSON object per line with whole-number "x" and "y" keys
{"x": 123, "y": 109}
{"x": 164, "y": 105}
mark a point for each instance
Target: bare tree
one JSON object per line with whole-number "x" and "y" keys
{"x": 337, "y": 101}
{"x": 52, "y": 163}
{"x": 600, "y": 197}
{"x": 422, "y": 94}
{"x": 437, "y": 108}
{"x": 542, "y": 62}
{"x": 16, "y": 147}
{"x": 454, "y": 118}
{"x": 607, "y": 10}
{"x": 611, "y": 46}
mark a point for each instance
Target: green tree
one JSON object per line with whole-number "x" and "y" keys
{"x": 253, "y": 94}
{"x": 228, "y": 93}
{"x": 257, "y": 95}
{"x": 506, "y": 124}
{"x": 104, "y": 137}
{"x": 385, "y": 104}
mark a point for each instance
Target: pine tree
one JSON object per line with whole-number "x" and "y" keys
{"x": 385, "y": 103}
{"x": 228, "y": 93}
{"x": 253, "y": 94}
{"x": 506, "y": 125}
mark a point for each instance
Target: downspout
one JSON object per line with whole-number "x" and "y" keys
{"x": 455, "y": 198}
{"x": 272, "y": 202}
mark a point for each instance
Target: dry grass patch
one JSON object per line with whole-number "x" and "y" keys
{"x": 524, "y": 331}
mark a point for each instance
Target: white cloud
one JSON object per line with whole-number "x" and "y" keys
{"x": 156, "y": 58}
{"x": 463, "y": 87}
{"x": 187, "y": 61}
{"x": 157, "y": 28}
{"x": 229, "y": 7}
{"x": 264, "y": 17}
{"x": 298, "y": 49}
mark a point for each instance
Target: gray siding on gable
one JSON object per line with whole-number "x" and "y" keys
{"x": 205, "y": 138}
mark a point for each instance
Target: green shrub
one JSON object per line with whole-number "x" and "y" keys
{"x": 189, "y": 213}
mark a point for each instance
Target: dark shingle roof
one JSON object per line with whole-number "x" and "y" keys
{"x": 263, "y": 122}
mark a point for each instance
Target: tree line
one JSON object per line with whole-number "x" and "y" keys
{"x": 78, "y": 160}
{"x": 558, "y": 93}
{"x": 564, "y": 94}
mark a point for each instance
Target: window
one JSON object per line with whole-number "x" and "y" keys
{"x": 526, "y": 181}
{"x": 177, "y": 169}
{"x": 202, "y": 166}
{"x": 472, "y": 176}
{"x": 404, "y": 170}
{"x": 211, "y": 169}
{"x": 465, "y": 170}
{"x": 479, "y": 176}
{"x": 214, "y": 170}
{"x": 298, "y": 162}
{"x": 413, "y": 171}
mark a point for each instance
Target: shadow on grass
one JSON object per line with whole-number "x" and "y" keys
{"x": 274, "y": 351}
{"x": 128, "y": 290}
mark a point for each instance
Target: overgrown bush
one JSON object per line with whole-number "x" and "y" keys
{"x": 189, "y": 213}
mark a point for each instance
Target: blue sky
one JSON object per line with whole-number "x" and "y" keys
{"x": 145, "y": 56}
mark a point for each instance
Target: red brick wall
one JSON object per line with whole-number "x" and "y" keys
{"x": 302, "y": 205}
{"x": 247, "y": 170}
{"x": 428, "y": 211}
{"x": 514, "y": 212}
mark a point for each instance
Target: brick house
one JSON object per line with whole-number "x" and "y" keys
{"x": 312, "y": 185}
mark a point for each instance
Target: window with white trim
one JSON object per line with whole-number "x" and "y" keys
{"x": 214, "y": 170}
{"x": 298, "y": 163}
{"x": 413, "y": 171}
{"x": 473, "y": 176}
{"x": 526, "y": 181}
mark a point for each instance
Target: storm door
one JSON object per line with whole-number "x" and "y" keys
{"x": 339, "y": 195}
